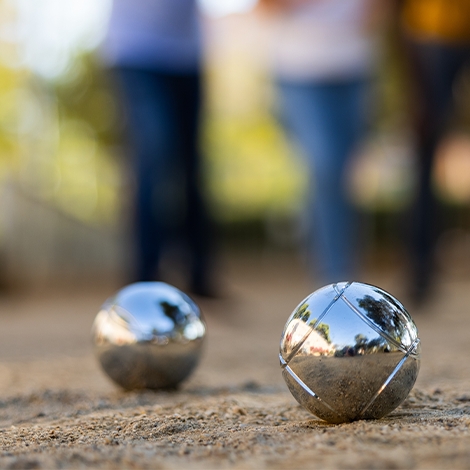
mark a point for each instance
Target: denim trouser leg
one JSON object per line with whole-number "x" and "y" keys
{"x": 327, "y": 121}
{"x": 162, "y": 117}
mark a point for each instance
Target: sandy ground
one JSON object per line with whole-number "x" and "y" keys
{"x": 58, "y": 410}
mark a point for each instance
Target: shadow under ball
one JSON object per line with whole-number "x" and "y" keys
{"x": 148, "y": 335}
{"x": 350, "y": 351}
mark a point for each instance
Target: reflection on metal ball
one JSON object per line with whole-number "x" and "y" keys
{"x": 148, "y": 335}
{"x": 350, "y": 351}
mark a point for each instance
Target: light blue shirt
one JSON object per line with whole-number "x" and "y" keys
{"x": 157, "y": 34}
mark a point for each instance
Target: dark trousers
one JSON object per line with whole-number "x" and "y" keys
{"x": 436, "y": 68}
{"x": 163, "y": 115}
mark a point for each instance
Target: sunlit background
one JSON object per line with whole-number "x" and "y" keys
{"x": 64, "y": 195}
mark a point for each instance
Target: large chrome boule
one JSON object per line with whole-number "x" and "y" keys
{"x": 148, "y": 335}
{"x": 350, "y": 351}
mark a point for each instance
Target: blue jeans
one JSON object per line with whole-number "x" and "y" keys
{"x": 162, "y": 112}
{"x": 327, "y": 119}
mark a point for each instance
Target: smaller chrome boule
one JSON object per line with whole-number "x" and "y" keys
{"x": 350, "y": 351}
{"x": 148, "y": 335}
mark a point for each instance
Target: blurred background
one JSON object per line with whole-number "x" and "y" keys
{"x": 63, "y": 189}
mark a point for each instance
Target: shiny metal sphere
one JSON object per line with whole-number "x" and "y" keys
{"x": 350, "y": 351}
{"x": 149, "y": 335}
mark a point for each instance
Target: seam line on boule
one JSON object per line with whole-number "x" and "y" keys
{"x": 307, "y": 388}
{"x": 373, "y": 325}
{"x": 319, "y": 319}
{"x": 391, "y": 376}
{"x": 339, "y": 293}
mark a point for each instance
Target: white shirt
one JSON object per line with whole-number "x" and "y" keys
{"x": 323, "y": 39}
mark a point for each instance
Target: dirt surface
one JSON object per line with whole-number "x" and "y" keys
{"x": 58, "y": 410}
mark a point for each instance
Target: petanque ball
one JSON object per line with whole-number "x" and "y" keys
{"x": 350, "y": 351}
{"x": 148, "y": 335}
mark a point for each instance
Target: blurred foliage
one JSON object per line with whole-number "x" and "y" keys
{"x": 251, "y": 169}
{"x": 61, "y": 141}
{"x": 89, "y": 123}
{"x": 10, "y": 90}
{"x": 57, "y": 138}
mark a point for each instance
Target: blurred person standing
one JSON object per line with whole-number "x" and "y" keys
{"x": 154, "y": 50}
{"x": 436, "y": 43}
{"x": 323, "y": 60}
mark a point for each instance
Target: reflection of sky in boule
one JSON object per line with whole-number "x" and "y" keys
{"x": 349, "y": 319}
{"x": 345, "y": 325}
{"x": 144, "y": 303}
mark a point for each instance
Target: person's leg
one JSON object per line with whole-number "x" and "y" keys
{"x": 198, "y": 227}
{"x": 435, "y": 70}
{"x": 151, "y": 130}
{"x": 328, "y": 120}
